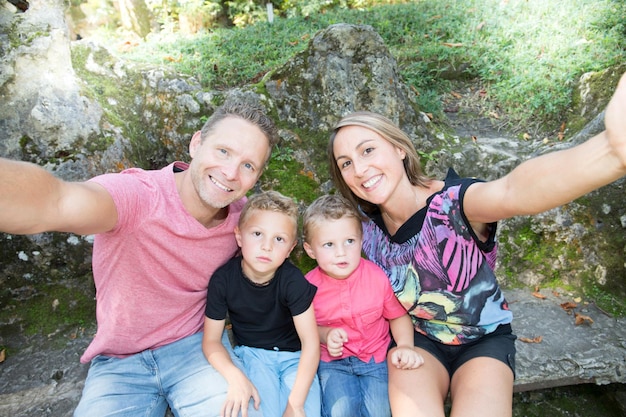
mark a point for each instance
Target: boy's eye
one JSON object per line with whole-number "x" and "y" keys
{"x": 350, "y": 241}
{"x": 280, "y": 239}
{"x": 327, "y": 245}
{"x": 256, "y": 233}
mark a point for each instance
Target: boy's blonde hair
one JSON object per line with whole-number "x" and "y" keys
{"x": 270, "y": 201}
{"x": 328, "y": 207}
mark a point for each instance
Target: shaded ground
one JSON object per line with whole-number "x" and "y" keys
{"x": 45, "y": 378}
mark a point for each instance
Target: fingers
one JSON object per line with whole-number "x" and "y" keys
{"x": 404, "y": 358}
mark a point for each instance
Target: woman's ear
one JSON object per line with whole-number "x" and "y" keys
{"x": 401, "y": 153}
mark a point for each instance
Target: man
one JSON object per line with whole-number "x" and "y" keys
{"x": 159, "y": 236}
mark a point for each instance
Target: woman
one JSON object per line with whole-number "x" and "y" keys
{"x": 436, "y": 242}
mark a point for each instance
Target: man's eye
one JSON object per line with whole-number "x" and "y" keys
{"x": 249, "y": 167}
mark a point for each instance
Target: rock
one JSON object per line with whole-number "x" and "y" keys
{"x": 567, "y": 353}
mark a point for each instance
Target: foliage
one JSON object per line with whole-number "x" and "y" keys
{"x": 527, "y": 52}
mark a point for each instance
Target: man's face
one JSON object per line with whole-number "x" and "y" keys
{"x": 228, "y": 162}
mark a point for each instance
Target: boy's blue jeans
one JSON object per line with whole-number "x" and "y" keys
{"x": 353, "y": 388}
{"x": 273, "y": 373}
{"x": 177, "y": 375}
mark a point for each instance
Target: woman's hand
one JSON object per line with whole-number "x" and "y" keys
{"x": 615, "y": 121}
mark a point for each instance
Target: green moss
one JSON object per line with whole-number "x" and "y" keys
{"x": 118, "y": 98}
{"x": 46, "y": 309}
{"x": 288, "y": 176}
{"x": 579, "y": 400}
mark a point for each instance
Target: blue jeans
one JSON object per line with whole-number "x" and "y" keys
{"x": 273, "y": 373}
{"x": 353, "y": 388}
{"x": 145, "y": 384}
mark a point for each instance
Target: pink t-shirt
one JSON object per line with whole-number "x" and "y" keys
{"x": 152, "y": 270}
{"x": 361, "y": 304}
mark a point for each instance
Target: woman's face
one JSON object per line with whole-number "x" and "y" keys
{"x": 370, "y": 165}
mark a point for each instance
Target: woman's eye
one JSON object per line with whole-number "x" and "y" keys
{"x": 345, "y": 164}
{"x": 368, "y": 150}
{"x": 350, "y": 241}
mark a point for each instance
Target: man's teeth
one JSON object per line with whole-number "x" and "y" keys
{"x": 220, "y": 185}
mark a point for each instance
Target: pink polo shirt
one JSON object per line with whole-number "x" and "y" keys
{"x": 361, "y": 304}
{"x": 152, "y": 270}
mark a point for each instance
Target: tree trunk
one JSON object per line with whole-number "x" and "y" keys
{"x": 135, "y": 16}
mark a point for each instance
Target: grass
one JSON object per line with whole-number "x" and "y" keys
{"x": 528, "y": 53}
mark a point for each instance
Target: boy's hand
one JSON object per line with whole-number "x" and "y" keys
{"x": 238, "y": 397}
{"x": 406, "y": 358}
{"x": 292, "y": 411}
{"x": 335, "y": 340}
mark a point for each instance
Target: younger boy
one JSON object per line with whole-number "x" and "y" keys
{"x": 355, "y": 307}
{"x": 268, "y": 301}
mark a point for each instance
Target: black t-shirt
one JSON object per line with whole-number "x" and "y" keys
{"x": 262, "y": 316}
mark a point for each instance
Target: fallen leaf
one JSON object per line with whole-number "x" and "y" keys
{"x": 567, "y": 306}
{"x": 582, "y": 319}
{"x": 435, "y": 17}
{"x": 539, "y": 295}
{"x": 455, "y": 94}
{"x": 482, "y": 93}
{"x": 3, "y": 355}
{"x": 430, "y": 116}
{"x": 578, "y": 299}
{"x": 556, "y": 293}
{"x": 474, "y": 139}
{"x": 526, "y": 136}
{"x": 417, "y": 93}
{"x": 494, "y": 115}
{"x": 172, "y": 59}
{"x": 537, "y": 339}
{"x": 480, "y": 26}
{"x": 452, "y": 45}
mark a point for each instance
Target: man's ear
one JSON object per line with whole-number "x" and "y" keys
{"x": 238, "y": 236}
{"x": 309, "y": 250}
{"x": 195, "y": 143}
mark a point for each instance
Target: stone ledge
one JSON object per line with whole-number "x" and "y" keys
{"x": 40, "y": 382}
{"x": 568, "y": 354}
